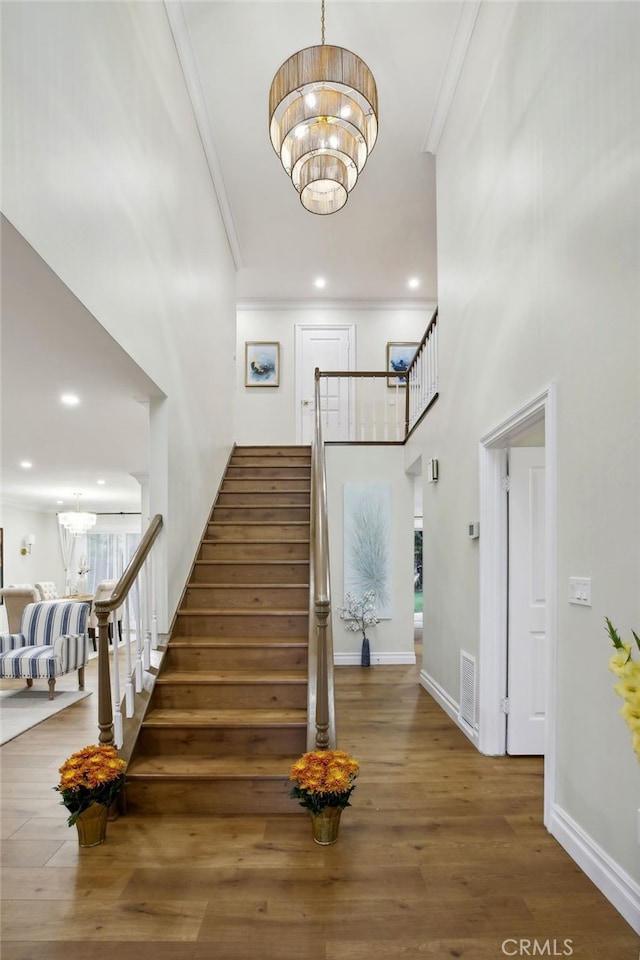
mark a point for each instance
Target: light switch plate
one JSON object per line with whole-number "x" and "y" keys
{"x": 580, "y": 591}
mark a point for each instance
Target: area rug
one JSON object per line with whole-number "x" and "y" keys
{"x": 22, "y": 709}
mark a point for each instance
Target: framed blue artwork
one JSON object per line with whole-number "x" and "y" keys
{"x": 262, "y": 363}
{"x": 399, "y": 356}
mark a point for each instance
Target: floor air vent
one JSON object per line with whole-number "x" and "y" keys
{"x": 467, "y": 689}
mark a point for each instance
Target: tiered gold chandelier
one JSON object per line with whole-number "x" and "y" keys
{"x": 323, "y": 122}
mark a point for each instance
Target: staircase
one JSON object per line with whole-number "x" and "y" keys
{"x": 228, "y": 713}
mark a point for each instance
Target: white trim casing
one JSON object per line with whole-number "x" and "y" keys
{"x": 493, "y": 581}
{"x": 492, "y": 685}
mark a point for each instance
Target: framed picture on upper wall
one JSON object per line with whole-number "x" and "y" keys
{"x": 399, "y": 356}
{"x": 262, "y": 363}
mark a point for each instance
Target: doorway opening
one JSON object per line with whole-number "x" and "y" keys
{"x": 524, "y": 428}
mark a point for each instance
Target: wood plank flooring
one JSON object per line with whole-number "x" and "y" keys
{"x": 442, "y": 855}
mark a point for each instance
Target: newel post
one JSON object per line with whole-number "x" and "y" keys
{"x": 322, "y": 608}
{"x": 105, "y": 710}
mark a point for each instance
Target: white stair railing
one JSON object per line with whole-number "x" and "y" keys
{"x": 422, "y": 375}
{"x": 386, "y": 407}
{"x": 135, "y": 595}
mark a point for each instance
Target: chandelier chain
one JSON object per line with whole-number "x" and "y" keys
{"x": 322, "y": 22}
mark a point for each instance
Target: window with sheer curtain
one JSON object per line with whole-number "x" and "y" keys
{"x": 108, "y": 555}
{"x": 107, "y": 549}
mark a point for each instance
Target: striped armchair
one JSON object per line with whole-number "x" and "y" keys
{"x": 52, "y": 642}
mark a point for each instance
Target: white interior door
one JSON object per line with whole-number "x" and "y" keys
{"x": 328, "y": 348}
{"x": 527, "y": 659}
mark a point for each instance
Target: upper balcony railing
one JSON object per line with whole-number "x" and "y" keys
{"x": 381, "y": 406}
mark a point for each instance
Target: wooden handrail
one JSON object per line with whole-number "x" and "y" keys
{"x": 356, "y": 373}
{"x": 321, "y": 720}
{"x": 103, "y": 609}
{"x": 134, "y": 567}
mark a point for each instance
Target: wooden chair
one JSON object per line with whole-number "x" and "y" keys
{"x": 47, "y": 590}
{"x": 104, "y": 589}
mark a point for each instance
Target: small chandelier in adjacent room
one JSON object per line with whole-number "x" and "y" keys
{"x": 75, "y": 521}
{"x": 323, "y": 122}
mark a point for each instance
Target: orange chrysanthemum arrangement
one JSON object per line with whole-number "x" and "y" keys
{"x": 91, "y": 775}
{"x": 324, "y": 778}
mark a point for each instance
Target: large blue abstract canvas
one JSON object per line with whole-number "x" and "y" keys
{"x": 368, "y": 543}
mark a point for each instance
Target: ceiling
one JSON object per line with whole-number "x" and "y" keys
{"x": 70, "y": 448}
{"x": 229, "y": 51}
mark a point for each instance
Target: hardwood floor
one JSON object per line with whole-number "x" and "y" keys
{"x": 441, "y": 855}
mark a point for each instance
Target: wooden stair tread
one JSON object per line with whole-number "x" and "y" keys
{"x": 246, "y": 585}
{"x": 258, "y": 523}
{"x": 265, "y": 487}
{"x": 269, "y": 643}
{"x": 263, "y": 677}
{"x": 212, "y": 768}
{"x": 226, "y": 718}
{"x": 241, "y": 611}
{"x": 251, "y": 543}
{"x": 263, "y": 563}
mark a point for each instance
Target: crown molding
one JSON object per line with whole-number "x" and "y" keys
{"x": 180, "y": 32}
{"x": 423, "y": 305}
{"x": 451, "y": 75}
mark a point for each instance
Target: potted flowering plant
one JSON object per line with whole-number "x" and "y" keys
{"x": 627, "y": 670}
{"x": 324, "y": 781}
{"x": 90, "y": 781}
{"x": 360, "y": 613}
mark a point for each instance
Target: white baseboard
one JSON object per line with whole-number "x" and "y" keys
{"x": 618, "y": 887}
{"x": 448, "y": 704}
{"x": 377, "y": 659}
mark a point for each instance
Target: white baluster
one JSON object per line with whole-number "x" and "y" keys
{"x": 144, "y": 604}
{"x": 136, "y": 610}
{"x": 436, "y": 381}
{"x": 154, "y": 606}
{"x": 372, "y": 408}
{"x": 129, "y": 688}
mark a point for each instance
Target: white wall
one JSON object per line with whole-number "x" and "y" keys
{"x": 538, "y": 253}
{"x": 392, "y": 641}
{"x": 104, "y": 175}
{"x": 45, "y": 560}
{"x": 268, "y": 415}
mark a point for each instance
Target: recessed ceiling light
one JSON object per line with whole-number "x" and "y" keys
{"x": 320, "y": 282}
{"x": 413, "y": 282}
{"x": 59, "y": 501}
{"x": 101, "y": 481}
{"x": 70, "y": 399}
{"x": 26, "y": 464}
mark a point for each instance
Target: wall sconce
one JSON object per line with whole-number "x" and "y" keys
{"x": 433, "y": 470}
{"x": 27, "y": 543}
